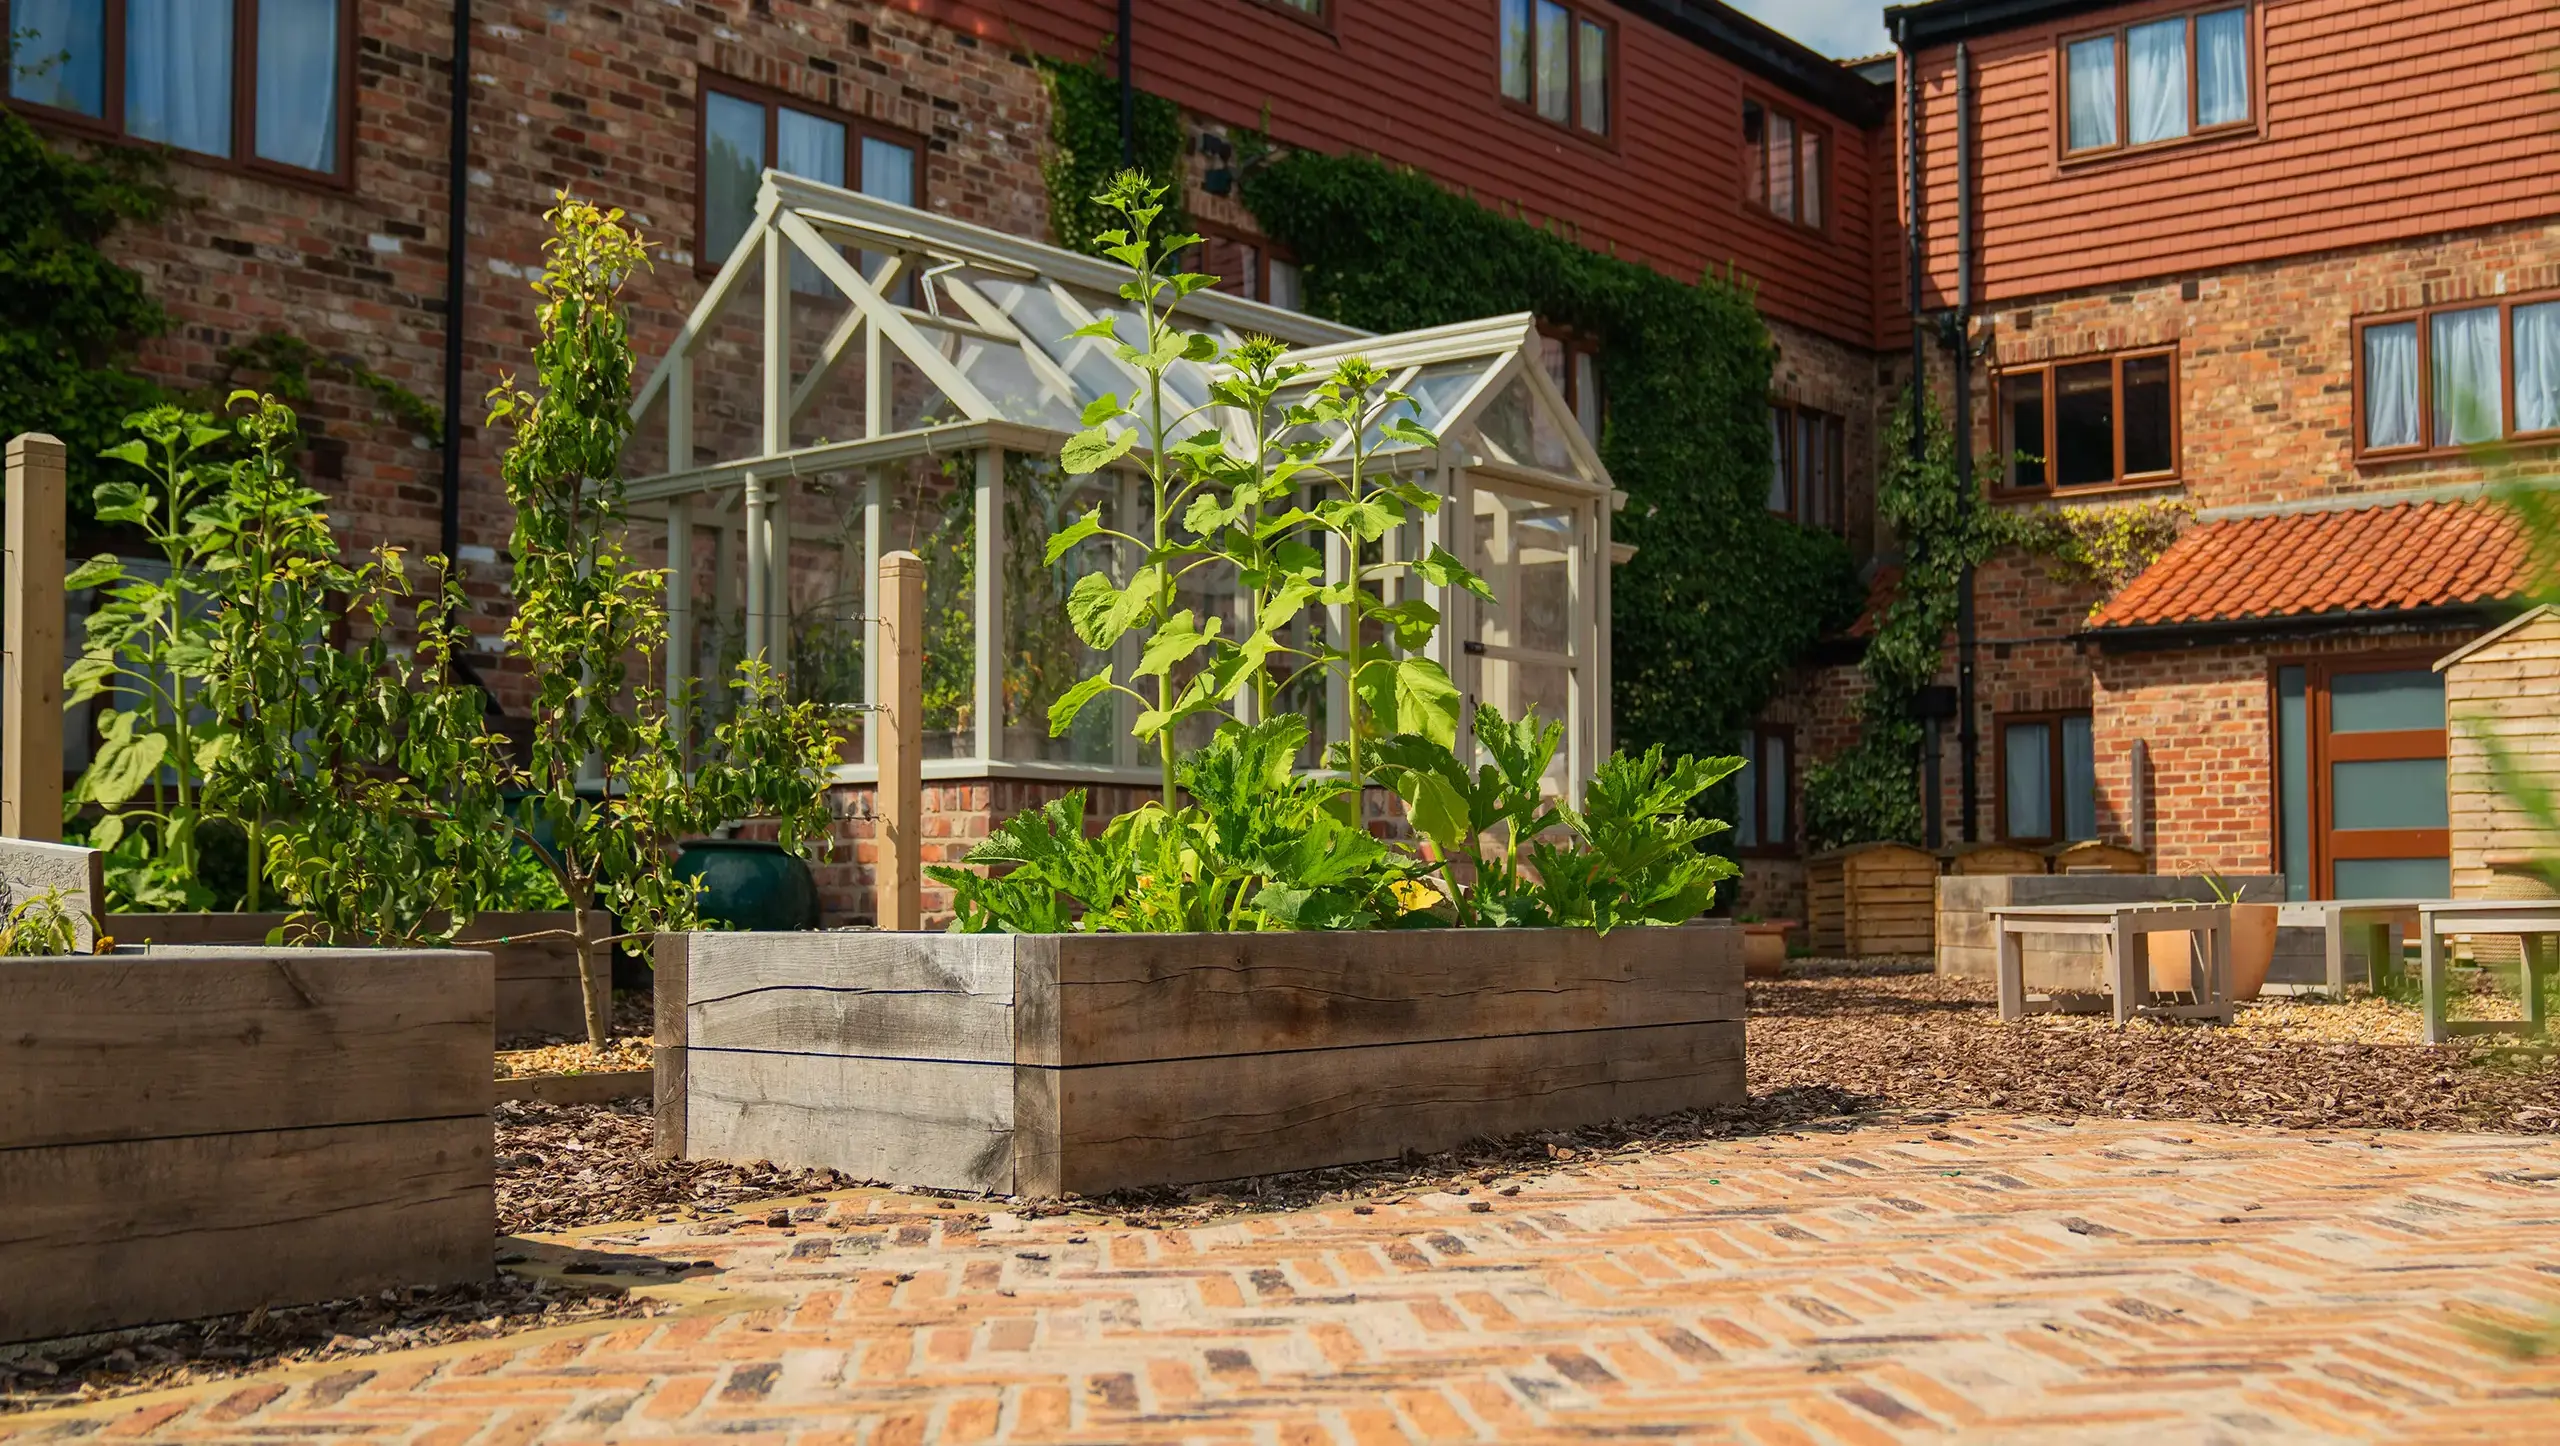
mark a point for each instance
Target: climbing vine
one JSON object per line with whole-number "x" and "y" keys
{"x": 1872, "y": 791}
{"x": 1721, "y": 595}
{"x": 1084, "y": 150}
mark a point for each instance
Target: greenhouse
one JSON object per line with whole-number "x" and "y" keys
{"x": 861, "y": 377}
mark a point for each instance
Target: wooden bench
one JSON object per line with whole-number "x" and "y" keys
{"x": 2533, "y": 922}
{"x": 2377, "y": 922}
{"x": 2121, "y": 927}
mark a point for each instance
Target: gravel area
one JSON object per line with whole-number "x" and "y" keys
{"x": 617, "y": 1054}
{"x": 66, "y": 1373}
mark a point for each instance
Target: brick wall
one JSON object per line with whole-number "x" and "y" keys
{"x": 596, "y": 98}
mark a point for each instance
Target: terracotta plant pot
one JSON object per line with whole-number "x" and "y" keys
{"x": 2253, "y": 952}
{"x": 1764, "y": 949}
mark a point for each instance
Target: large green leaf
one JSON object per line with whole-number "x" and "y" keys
{"x": 1176, "y": 639}
{"x": 1438, "y": 812}
{"x": 1094, "y": 448}
{"x": 1101, "y": 612}
{"x": 124, "y": 762}
{"x": 1062, "y": 713}
{"x": 1074, "y": 532}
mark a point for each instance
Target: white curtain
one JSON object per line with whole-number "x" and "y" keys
{"x": 2222, "y": 67}
{"x": 177, "y": 74}
{"x": 1746, "y": 789}
{"x": 298, "y": 83}
{"x": 2463, "y": 374}
{"x": 732, "y": 168}
{"x": 2156, "y": 105}
{"x": 888, "y": 171}
{"x": 59, "y": 55}
{"x": 1555, "y": 62}
{"x": 2391, "y": 385}
{"x": 2093, "y": 93}
{"x": 812, "y": 148}
{"x": 2079, "y": 779}
{"x": 2537, "y": 344}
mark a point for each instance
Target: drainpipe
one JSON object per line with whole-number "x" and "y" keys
{"x": 1128, "y": 85}
{"x": 1968, "y": 737}
{"x": 1911, "y": 241}
{"x": 457, "y": 214}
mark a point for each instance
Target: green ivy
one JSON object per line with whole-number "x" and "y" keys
{"x": 1721, "y": 596}
{"x": 70, "y": 316}
{"x": 1084, "y": 151}
{"x": 289, "y": 363}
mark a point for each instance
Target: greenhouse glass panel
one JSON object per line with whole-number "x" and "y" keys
{"x": 1043, "y": 657}
{"x": 929, "y": 506}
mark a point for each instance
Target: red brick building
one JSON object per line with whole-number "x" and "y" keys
{"x": 2286, "y": 261}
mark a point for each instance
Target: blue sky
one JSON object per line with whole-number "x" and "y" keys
{"x": 1843, "y": 28}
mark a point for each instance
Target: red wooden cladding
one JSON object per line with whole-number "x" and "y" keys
{"x": 2377, "y": 121}
{"x": 1415, "y": 82}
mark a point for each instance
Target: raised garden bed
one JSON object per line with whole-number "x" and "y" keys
{"x": 537, "y": 978}
{"x": 185, "y": 1133}
{"x": 1051, "y": 1064}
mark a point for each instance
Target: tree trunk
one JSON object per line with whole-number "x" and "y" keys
{"x": 595, "y": 982}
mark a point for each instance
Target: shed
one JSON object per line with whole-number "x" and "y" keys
{"x": 2093, "y": 856}
{"x": 1990, "y": 858}
{"x": 1872, "y": 898}
{"x": 2502, "y": 699}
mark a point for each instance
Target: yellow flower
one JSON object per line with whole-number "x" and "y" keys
{"x": 1414, "y": 894}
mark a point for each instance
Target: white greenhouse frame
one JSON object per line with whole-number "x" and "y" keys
{"x": 977, "y": 320}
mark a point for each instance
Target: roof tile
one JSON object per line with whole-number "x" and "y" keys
{"x": 2367, "y": 559}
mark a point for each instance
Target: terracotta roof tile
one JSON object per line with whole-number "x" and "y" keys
{"x": 2366, "y": 559}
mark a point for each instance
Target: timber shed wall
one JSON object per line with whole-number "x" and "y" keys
{"x": 2503, "y": 695}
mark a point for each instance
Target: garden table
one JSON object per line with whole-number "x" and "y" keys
{"x": 2535, "y": 923}
{"x": 2123, "y": 927}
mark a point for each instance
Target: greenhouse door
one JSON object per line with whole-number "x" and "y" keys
{"x": 1528, "y": 647}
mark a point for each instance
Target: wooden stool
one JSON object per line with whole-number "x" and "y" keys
{"x": 2535, "y": 923}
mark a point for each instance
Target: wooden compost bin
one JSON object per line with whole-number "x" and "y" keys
{"x": 191, "y": 1132}
{"x": 1041, "y": 1065}
{"x": 1968, "y": 948}
{"x": 2502, "y": 696}
{"x": 1991, "y": 858}
{"x": 537, "y": 979}
{"x": 2091, "y": 856}
{"x": 1870, "y": 898}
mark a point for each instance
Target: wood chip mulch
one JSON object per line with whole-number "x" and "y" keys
{"x": 68, "y": 1373}
{"x": 580, "y": 1058}
{"x": 561, "y": 1166}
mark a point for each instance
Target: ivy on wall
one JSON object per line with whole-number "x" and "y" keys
{"x": 72, "y": 319}
{"x": 1872, "y": 791}
{"x": 1721, "y": 596}
{"x": 1084, "y": 150}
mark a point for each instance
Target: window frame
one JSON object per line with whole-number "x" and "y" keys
{"x": 1790, "y": 844}
{"x": 2057, "y": 771}
{"x": 108, "y": 126}
{"x": 2249, "y": 125}
{"x": 1830, "y": 148}
{"x": 1265, "y": 252}
{"x": 1578, "y": 344}
{"x": 1835, "y": 428}
{"x": 2006, "y": 488}
{"x": 1576, "y": 14}
{"x": 1321, "y": 18}
{"x": 2426, "y": 448}
{"x": 2376, "y": 746}
{"x": 856, "y": 127}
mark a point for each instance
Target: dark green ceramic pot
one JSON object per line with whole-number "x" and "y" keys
{"x": 750, "y": 884}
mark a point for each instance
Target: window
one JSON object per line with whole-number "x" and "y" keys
{"x": 261, "y": 82}
{"x": 2048, "y": 778}
{"x": 2433, "y": 380}
{"x": 2093, "y": 423}
{"x": 1573, "y": 364}
{"x": 1246, "y": 266}
{"x": 1785, "y": 169}
{"x": 2156, "y": 82}
{"x": 1555, "y": 61}
{"x": 2361, "y": 808}
{"x": 1807, "y": 466}
{"x": 745, "y": 131}
{"x": 1763, "y": 814}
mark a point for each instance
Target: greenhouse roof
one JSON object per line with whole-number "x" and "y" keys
{"x": 967, "y": 335}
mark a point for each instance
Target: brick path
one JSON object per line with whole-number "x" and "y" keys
{"x": 1987, "y": 1279}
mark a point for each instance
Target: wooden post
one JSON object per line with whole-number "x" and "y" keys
{"x": 31, "y": 671}
{"x": 899, "y": 872}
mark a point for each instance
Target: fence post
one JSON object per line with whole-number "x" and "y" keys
{"x": 898, "y": 876}
{"x": 31, "y": 650}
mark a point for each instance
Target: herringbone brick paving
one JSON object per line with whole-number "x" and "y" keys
{"x": 1987, "y": 1279}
